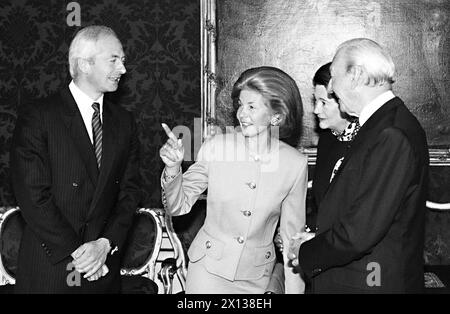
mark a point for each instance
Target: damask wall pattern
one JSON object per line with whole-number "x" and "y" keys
{"x": 161, "y": 40}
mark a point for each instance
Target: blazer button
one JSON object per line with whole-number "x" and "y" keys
{"x": 74, "y": 184}
{"x": 268, "y": 255}
{"x": 240, "y": 240}
{"x": 208, "y": 244}
{"x": 252, "y": 185}
{"x": 246, "y": 213}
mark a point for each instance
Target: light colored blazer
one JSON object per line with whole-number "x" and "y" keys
{"x": 247, "y": 196}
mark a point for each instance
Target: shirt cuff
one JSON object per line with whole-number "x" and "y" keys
{"x": 169, "y": 178}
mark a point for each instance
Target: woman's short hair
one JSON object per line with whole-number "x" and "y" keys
{"x": 322, "y": 75}
{"x": 83, "y": 45}
{"x": 375, "y": 60}
{"x": 282, "y": 95}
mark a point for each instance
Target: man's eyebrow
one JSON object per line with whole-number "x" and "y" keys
{"x": 117, "y": 56}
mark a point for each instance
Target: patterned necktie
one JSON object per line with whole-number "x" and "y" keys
{"x": 97, "y": 132}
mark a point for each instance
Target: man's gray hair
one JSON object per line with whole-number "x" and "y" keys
{"x": 375, "y": 60}
{"x": 83, "y": 45}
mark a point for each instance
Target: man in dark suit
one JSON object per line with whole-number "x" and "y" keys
{"x": 74, "y": 164}
{"x": 370, "y": 224}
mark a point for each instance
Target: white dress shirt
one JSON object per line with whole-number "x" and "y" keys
{"x": 374, "y": 105}
{"x": 84, "y": 103}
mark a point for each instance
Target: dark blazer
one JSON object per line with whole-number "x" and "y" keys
{"x": 64, "y": 199}
{"x": 371, "y": 218}
{"x": 329, "y": 151}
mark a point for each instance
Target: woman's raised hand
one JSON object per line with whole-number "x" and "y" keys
{"x": 172, "y": 152}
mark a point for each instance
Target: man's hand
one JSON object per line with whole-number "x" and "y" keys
{"x": 91, "y": 256}
{"x": 99, "y": 273}
{"x": 295, "y": 243}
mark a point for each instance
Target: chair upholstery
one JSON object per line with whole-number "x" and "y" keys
{"x": 157, "y": 255}
{"x": 138, "y": 285}
{"x": 11, "y": 228}
{"x": 140, "y": 254}
{"x": 142, "y": 241}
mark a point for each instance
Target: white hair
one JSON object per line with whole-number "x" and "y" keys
{"x": 83, "y": 45}
{"x": 375, "y": 60}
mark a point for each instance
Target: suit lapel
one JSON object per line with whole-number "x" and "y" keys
{"x": 77, "y": 129}
{"x": 109, "y": 150}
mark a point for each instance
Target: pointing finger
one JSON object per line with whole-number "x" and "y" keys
{"x": 169, "y": 132}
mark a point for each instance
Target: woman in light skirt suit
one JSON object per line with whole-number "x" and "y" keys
{"x": 255, "y": 179}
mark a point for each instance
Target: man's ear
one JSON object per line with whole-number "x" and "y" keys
{"x": 330, "y": 87}
{"x": 83, "y": 65}
{"x": 358, "y": 76}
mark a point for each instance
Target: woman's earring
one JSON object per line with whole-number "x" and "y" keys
{"x": 274, "y": 121}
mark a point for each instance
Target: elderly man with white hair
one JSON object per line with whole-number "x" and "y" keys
{"x": 370, "y": 224}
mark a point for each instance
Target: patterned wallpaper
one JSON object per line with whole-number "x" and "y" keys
{"x": 161, "y": 39}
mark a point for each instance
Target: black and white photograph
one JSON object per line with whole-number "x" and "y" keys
{"x": 224, "y": 151}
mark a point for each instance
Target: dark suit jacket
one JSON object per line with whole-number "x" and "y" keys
{"x": 63, "y": 197}
{"x": 370, "y": 234}
{"x": 329, "y": 151}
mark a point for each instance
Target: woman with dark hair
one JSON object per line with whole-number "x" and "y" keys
{"x": 338, "y": 130}
{"x": 254, "y": 180}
